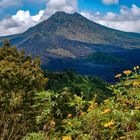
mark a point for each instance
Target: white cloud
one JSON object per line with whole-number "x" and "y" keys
{"x": 19, "y": 22}
{"x": 127, "y": 20}
{"x": 22, "y": 20}
{"x": 68, "y": 6}
{"x": 38, "y": 17}
{"x": 109, "y": 2}
{"x": 110, "y": 16}
{"x": 135, "y": 10}
{"x": 15, "y": 5}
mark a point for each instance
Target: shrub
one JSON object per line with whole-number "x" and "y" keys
{"x": 117, "y": 118}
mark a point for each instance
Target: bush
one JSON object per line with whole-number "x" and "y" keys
{"x": 117, "y": 118}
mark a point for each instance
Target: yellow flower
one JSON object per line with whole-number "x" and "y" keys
{"x": 109, "y": 124}
{"x": 69, "y": 123}
{"x": 127, "y": 72}
{"x": 66, "y": 138}
{"x": 136, "y": 83}
{"x": 92, "y": 106}
{"x": 118, "y": 75}
{"x": 137, "y": 67}
{"x": 106, "y": 111}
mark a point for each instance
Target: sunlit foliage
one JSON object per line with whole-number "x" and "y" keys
{"x": 117, "y": 118}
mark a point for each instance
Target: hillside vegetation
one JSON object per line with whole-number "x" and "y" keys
{"x": 103, "y": 58}
{"x": 38, "y": 105}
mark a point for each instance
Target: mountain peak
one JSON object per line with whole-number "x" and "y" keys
{"x": 77, "y": 14}
{"x": 59, "y": 13}
{"x": 63, "y": 14}
{"x": 63, "y": 17}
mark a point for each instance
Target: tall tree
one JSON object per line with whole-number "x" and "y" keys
{"x": 20, "y": 78}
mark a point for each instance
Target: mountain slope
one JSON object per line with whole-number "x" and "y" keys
{"x": 76, "y": 27}
{"x": 67, "y": 39}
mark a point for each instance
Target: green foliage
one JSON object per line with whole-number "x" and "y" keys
{"x": 68, "y": 109}
{"x": 102, "y": 58}
{"x": 52, "y": 109}
{"x": 34, "y": 136}
{"x": 85, "y": 86}
{"x": 117, "y": 118}
{"x": 20, "y": 78}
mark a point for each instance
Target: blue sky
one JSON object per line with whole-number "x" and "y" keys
{"x": 98, "y": 5}
{"x": 18, "y": 15}
{"x": 92, "y": 5}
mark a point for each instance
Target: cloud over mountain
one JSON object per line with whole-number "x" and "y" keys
{"x": 19, "y": 22}
{"x": 61, "y": 5}
{"x": 127, "y": 20}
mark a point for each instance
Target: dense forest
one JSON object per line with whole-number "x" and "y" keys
{"x": 41, "y": 105}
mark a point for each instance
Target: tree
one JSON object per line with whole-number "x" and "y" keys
{"x": 20, "y": 78}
